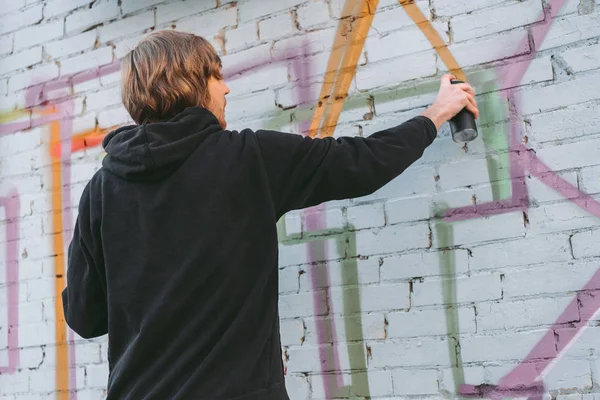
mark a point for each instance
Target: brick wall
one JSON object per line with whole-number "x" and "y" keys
{"x": 478, "y": 266}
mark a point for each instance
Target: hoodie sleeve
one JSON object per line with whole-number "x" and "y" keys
{"x": 304, "y": 172}
{"x": 84, "y": 298}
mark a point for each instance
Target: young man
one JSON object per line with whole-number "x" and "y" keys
{"x": 175, "y": 251}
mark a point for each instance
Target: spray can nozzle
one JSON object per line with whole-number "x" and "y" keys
{"x": 463, "y": 125}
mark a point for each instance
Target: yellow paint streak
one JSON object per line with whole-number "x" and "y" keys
{"x": 9, "y": 116}
{"x": 434, "y": 38}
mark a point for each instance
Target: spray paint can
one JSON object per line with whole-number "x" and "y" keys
{"x": 463, "y": 125}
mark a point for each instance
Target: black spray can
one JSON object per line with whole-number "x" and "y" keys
{"x": 463, "y": 125}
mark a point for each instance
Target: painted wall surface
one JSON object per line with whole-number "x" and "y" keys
{"x": 476, "y": 273}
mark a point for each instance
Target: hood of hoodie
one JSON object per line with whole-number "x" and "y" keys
{"x": 152, "y": 151}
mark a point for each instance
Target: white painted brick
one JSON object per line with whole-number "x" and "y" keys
{"x": 406, "y": 210}
{"x": 43, "y": 381}
{"x": 310, "y": 43}
{"x": 393, "y": 239}
{"x": 91, "y": 394}
{"x": 301, "y": 304}
{"x": 410, "y": 353}
{"x": 525, "y": 313}
{"x": 341, "y": 273}
{"x": 408, "y": 266}
{"x": 590, "y": 180}
{"x": 370, "y": 298}
{"x": 71, "y": 45}
{"x": 292, "y": 96}
{"x": 413, "y": 181}
{"x": 259, "y": 79}
{"x": 583, "y": 58}
{"x": 497, "y": 19}
{"x": 250, "y": 10}
{"x": 560, "y": 217}
{"x": 33, "y": 76}
{"x": 129, "y": 6}
{"x": 415, "y": 382}
{"x": 86, "y": 61}
{"x": 293, "y": 225}
{"x": 569, "y": 373}
{"x": 298, "y": 387}
{"x": 36, "y": 334}
{"x": 288, "y": 280}
{"x": 585, "y": 244}
{"x": 124, "y": 46}
{"x": 276, "y": 27}
{"x": 8, "y": 6}
{"x": 307, "y": 358}
{"x": 509, "y": 225}
{"x": 292, "y": 332}
{"x": 412, "y": 38}
{"x": 462, "y": 174}
{"x": 560, "y": 95}
{"x": 549, "y": 248}
{"x": 444, "y": 8}
{"x": 391, "y": 19}
{"x": 38, "y": 34}
{"x": 19, "y": 19}
{"x": 103, "y": 98}
{"x": 14, "y": 383}
{"x": 366, "y": 216}
{"x": 569, "y": 7}
{"x": 468, "y": 289}
{"x": 241, "y": 37}
{"x": 175, "y": 10}
{"x": 540, "y": 192}
{"x": 313, "y": 14}
{"x": 6, "y": 44}
{"x": 370, "y": 383}
{"x": 112, "y": 117}
{"x": 86, "y": 18}
{"x": 390, "y": 73}
{"x": 570, "y": 29}
{"x": 584, "y": 345}
{"x": 253, "y": 105}
{"x": 417, "y": 323}
{"x": 246, "y": 60}
{"x": 126, "y": 26}
{"x": 347, "y": 329}
{"x": 20, "y": 60}
{"x": 571, "y": 122}
{"x": 472, "y": 375}
{"x": 52, "y": 8}
{"x": 549, "y": 279}
{"x": 96, "y": 376}
{"x": 209, "y": 23}
{"x": 87, "y": 353}
{"x": 489, "y": 49}
{"x": 510, "y": 346}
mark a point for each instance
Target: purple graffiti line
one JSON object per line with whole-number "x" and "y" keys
{"x": 11, "y": 205}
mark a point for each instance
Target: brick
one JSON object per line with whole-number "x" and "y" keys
{"x": 91, "y": 394}
{"x": 87, "y": 61}
{"x": 301, "y": 304}
{"x": 241, "y": 37}
{"x": 414, "y": 181}
{"x": 313, "y": 14}
{"x": 292, "y": 332}
{"x": 539, "y": 192}
{"x": 569, "y": 373}
{"x": 585, "y": 343}
{"x": 258, "y": 79}
{"x": 590, "y": 180}
{"x": 444, "y": 8}
{"x": 389, "y": 73}
{"x": 250, "y": 10}
{"x": 71, "y": 45}
{"x": 570, "y": 29}
{"x": 253, "y": 105}
{"x": 293, "y": 226}
{"x": 209, "y": 23}
{"x": 54, "y": 8}
{"x": 6, "y": 44}
{"x": 370, "y": 383}
{"x": 126, "y": 26}
{"x": 469, "y": 374}
{"x": 349, "y": 300}
{"x": 568, "y": 123}
{"x": 415, "y": 382}
{"x": 510, "y": 346}
{"x": 43, "y": 381}
{"x": 276, "y": 27}
{"x": 497, "y": 19}
{"x": 569, "y": 7}
{"x": 387, "y": 20}
{"x": 468, "y": 289}
{"x": 409, "y": 266}
{"x": 366, "y": 216}
{"x": 464, "y": 173}
{"x": 393, "y": 239}
{"x": 288, "y": 280}
{"x": 122, "y": 47}
{"x": 412, "y": 38}
{"x": 585, "y": 244}
{"x": 96, "y": 376}
{"x": 292, "y": 96}
{"x": 410, "y": 353}
{"x": 8, "y": 6}
{"x": 21, "y": 60}
{"x": 86, "y": 18}
{"x": 181, "y": 9}
{"x": 38, "y": 34}
{"x": 349, "y": 328}
{"x": 298, "y": 385}
{"x": 559, "y": 95}
{"x": 309, "y": 43}
{"x": 246, "y": 60}
{"x": 19, "y": 19}
{"x": 512, "y": 253}
{"x": 489, "y": 49}
{"x": 340, "y": 273}
{"x": 308, "y": 359}
{"x": 33, "y": 76}
{"x": 112, "y": 117}
{"x": 525, "y": 313}
{"x": 418, "y": 323}
{"x": 549, "y": 279}
{"x": 582, "y": 59}
{"x": 87, "y": 353}
{"x": 129, "y": 6}
{"x": 560, "y": 217}
{"x": 103, "y": 98}
{"x": 509, "y": 225}
{"x": 14, "y": 383}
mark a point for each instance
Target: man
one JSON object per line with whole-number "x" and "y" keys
{"x": 175, "y": 251}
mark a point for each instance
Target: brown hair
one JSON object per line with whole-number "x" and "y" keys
{"x": 167, "y": 72}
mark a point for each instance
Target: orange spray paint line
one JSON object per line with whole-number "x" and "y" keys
{"x": 84, "y": 140}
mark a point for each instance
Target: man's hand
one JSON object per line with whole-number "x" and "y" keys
{"x": 450, "y": 100}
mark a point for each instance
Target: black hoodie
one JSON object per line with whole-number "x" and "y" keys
{"x": 175, "y": 251}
